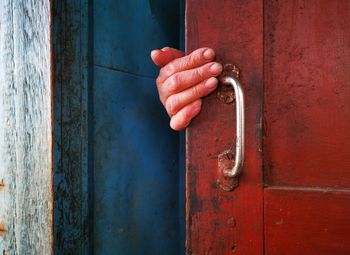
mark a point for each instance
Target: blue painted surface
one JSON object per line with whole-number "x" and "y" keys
{"x": 136, "y": 169}
{"x": 126, "y": 31}
{"x": 72, "y": 160}
{"x": 117, "y": 185}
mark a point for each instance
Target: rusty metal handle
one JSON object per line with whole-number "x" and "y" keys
{"x": 236, "y": 170}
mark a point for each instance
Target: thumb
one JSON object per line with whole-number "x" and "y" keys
{"x": 165, "y": 55}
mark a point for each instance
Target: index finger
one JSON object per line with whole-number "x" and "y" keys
{"x": 197, "y": 58}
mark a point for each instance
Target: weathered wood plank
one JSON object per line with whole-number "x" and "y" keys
{"x": 306, "y": 221}
{"x": 307, "y": 93}
{"x": 71, "y": 177}
{"x": 25, "y": 128}
{"x": 220, "y": 222}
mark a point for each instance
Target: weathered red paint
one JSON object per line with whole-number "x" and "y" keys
{"x": 301, "y": 50}
{"x": 307, "y": 93}
{"x": 312, "y": 222}
{"x": 220, "y": 222}
{"x": 306, "y": 138}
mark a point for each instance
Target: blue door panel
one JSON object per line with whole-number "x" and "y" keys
{"x": 135, "y": 168}
{"x": 136, "y": 177}
{"x": 126, "y": 31}
{"x": 118, "y": 188}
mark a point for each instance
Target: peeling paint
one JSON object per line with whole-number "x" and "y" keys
{"x": 2, "y": 229}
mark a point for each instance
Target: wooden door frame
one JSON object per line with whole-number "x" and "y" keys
{"x": 26, "y": 128}
{"x": 72, "y": 81}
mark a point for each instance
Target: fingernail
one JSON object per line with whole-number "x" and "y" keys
{"x": 216, "y": 68}
{"x": 211, "y": 83}
{"x": 154, "y": 52}
{"x": 209, "y": 54}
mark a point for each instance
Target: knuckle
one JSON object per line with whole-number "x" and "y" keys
{"x": 200, "y": 73}
{"x": 186, "y": 117}
{"x": 196, "y": 92}
{"x": 191, "y": 58}
{"x": 171, "y": 105}
{"x": 170, "y": 68}
{"x": 158, "y": 81}
{"x": 161, "y": 99}
{"x": 194, "y": 58}
{"x": 173, "y": 83}
{"x": 161, "y": 74}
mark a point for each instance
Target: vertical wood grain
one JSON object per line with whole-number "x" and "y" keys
{"x": 310, "y": 221}
{"x": 220, "y": 222}
{"x": 25, "y": 128}
{"x": 306, "y": 127}
{"x": 71, "y": 179}
{"x": 307, "y": 93}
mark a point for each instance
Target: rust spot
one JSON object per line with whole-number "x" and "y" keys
{"x": 2, "y": 229}
{"x": 233, "y": 248}
{"x": 231, "y": 222}
{"x": 226, "y": 161}
{"x": 231, "y": 69}
{"x": 225, "y": 92}
{"x": 2, "y": 185}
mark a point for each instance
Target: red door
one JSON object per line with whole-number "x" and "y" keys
{"x": 293, "y": 193}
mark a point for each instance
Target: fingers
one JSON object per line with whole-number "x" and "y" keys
{"x": 186, "y": 79}
{"x": 195, "y": 59}
{"x": 182, "y": 118}
{"x": 165, "y": 55}
{"x": 176, "y": 102}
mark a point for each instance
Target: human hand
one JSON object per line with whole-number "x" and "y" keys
{"x": 183, "y": 81}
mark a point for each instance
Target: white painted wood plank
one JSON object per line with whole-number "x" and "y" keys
{"x": 25, "y": 127}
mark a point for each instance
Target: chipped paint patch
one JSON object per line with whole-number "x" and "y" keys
{"x": 2, "y": 229}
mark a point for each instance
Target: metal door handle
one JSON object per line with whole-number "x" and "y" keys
{"x": 239, "y": 154}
